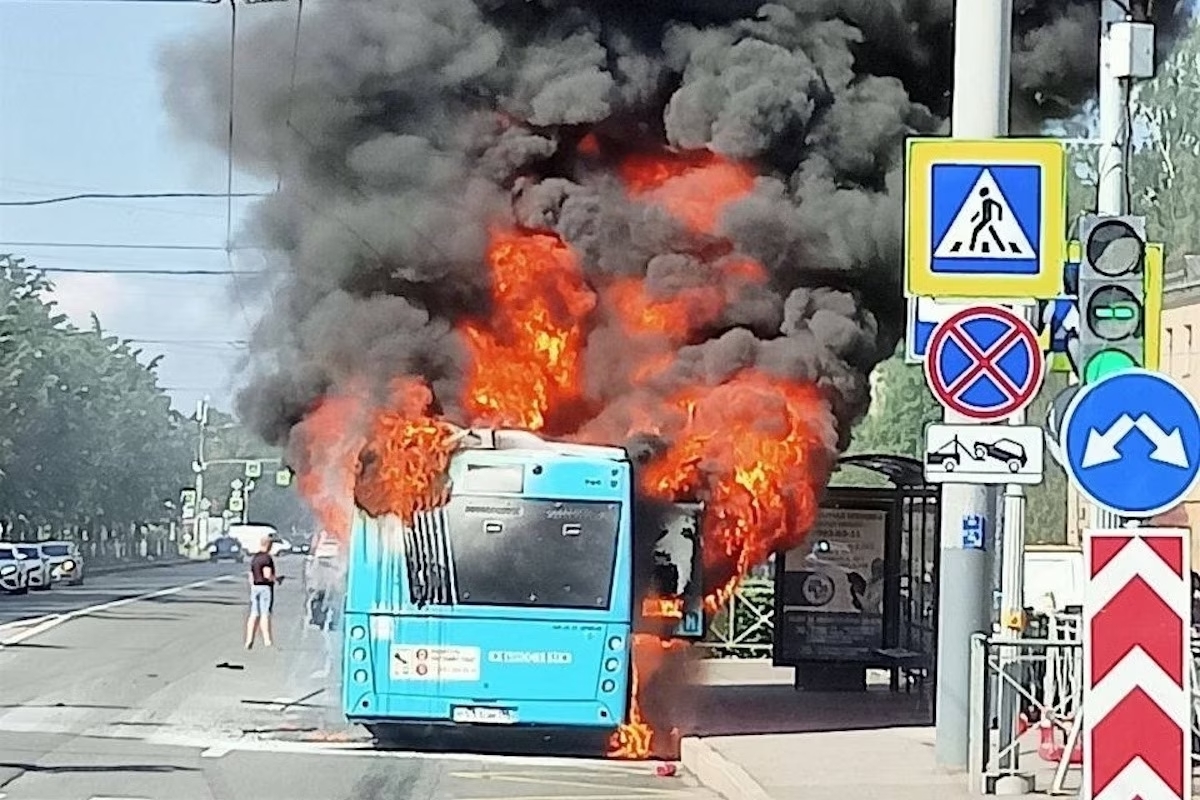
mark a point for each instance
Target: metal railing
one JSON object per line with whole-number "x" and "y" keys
{"x": 745, "y": 626}
{"x": 1046, "y": 675}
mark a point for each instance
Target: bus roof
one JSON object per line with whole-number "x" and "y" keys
{"x": 510, "y": 439}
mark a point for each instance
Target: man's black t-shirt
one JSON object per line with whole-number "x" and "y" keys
{"x": 258, "y": 563}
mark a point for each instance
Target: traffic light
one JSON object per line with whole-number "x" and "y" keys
{"x": 1112, "y": 295}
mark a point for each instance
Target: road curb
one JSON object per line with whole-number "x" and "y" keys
{"x": 136, "y": 566}
{"x": 717, "y": 772}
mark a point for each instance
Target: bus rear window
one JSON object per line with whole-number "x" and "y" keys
{"x": 537, "y": 553}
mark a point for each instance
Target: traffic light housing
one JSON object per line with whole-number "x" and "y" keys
{"x": 1112, "y": 295}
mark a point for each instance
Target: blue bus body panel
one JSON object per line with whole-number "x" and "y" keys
{"x": 531, "y": 664}
{"x": 543, "y": 673}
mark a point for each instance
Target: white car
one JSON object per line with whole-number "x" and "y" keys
{"x": 37, "y": 568}
{"x": 65, "y": 560}
{"x": 12, "y": 575}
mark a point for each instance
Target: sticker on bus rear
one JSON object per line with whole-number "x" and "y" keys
{"x": 428, "y": 663}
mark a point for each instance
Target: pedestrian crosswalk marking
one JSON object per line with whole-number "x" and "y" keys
{"x": 985, "y": 226}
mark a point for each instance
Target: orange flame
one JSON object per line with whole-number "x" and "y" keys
{"x": 636, "y": 738}
{"x": 329, "y": 439}
{"x": 695, "y": 188}
{"x": 756, "y": 449}
{"x": 662, "y": 608}
{"x": 526, "y": 358}
{"x": 671, "y": 317}
{"x": 404, "y": 468}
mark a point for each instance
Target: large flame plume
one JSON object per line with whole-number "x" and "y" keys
{"x": 755, "y": 448}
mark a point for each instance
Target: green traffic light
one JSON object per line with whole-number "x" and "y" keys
{"x": 1105, "y": 363}
{"x": 1115, "y": 312}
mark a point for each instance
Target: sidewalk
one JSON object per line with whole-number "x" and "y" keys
{"x": 757, "y": 738}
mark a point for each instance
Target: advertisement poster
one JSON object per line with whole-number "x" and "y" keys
{"x": 840, "y": 567}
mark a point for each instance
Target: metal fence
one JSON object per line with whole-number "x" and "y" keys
{"x": 745, "y": 626}
{"x": 1046, "y": 676}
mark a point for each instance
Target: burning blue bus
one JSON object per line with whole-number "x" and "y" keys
{"x": 511, "y": 604}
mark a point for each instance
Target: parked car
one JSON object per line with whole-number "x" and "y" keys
{"x": 37, "y": 569}
{"x": 65, "y": 560}
{"x": 226, "y": 548}
{"x": 12, "y": 573}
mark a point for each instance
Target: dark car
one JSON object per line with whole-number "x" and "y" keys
{"x": 949, "y": 456}
{"x": 1005, "y": 450}
{"x": 226, "y": 548}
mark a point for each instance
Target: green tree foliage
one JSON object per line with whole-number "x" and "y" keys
{"x": 902, "y": 406}
{"x": 1046, "y": 503}
{"x": 87, "y": 438}
{"x": 1164, "y": 165}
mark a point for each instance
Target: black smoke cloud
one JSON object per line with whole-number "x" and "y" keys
{"x": 413, "y": 125}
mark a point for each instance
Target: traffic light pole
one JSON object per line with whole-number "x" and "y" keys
{"x": 1113, "y": 96}
{"x": 1111, "y": 167}
{"x": 979, "y": 110}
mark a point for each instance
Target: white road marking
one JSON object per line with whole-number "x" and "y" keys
{"x": 54, "y": 620}
{"x": 218, "y": 747}
{"x": 21, "y": 623}
{"x": 548, "y": 780}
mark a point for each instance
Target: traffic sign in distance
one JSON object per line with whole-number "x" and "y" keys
{"x": 1132, "y": 443}
{"x": 984, "y": 454}
{"x": 985, "y": 219}
{"x": 985, "y": 363}
{"x": 1137, "y": 665}
{"x": 253, "y": 469}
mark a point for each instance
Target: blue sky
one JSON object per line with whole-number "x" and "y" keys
{"x": 81, "y": 99}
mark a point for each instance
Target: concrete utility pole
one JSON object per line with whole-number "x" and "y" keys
{"x": 198, "y": 468}
{"x": 979, "y": 110}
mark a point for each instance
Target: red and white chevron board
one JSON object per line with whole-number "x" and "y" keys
{"x": 1137, "y": 665}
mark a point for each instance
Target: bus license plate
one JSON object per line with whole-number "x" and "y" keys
{"x": 484, "y": 716}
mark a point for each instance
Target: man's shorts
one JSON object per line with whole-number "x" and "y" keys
{"x": 261, "y": 598}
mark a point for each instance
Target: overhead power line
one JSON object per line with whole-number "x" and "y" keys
{"x": 131, "y": 196}
{"x": 209, "y": 248}
{"x": 213, "y": 342}
{"x": 166, "y": 272}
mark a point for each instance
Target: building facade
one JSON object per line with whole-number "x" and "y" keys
{"x": 1179, "y": 357}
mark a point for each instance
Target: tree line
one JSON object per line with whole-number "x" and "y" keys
{"x": 90, "y": 447}
{"x": 89, "y": 443}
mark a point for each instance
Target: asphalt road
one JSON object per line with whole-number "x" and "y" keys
{"x": 136, "y": 687}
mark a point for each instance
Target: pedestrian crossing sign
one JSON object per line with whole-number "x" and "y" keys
{"x": 985, "y": 219}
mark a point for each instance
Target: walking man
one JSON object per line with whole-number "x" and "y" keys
{"x": 262, "y": 593}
